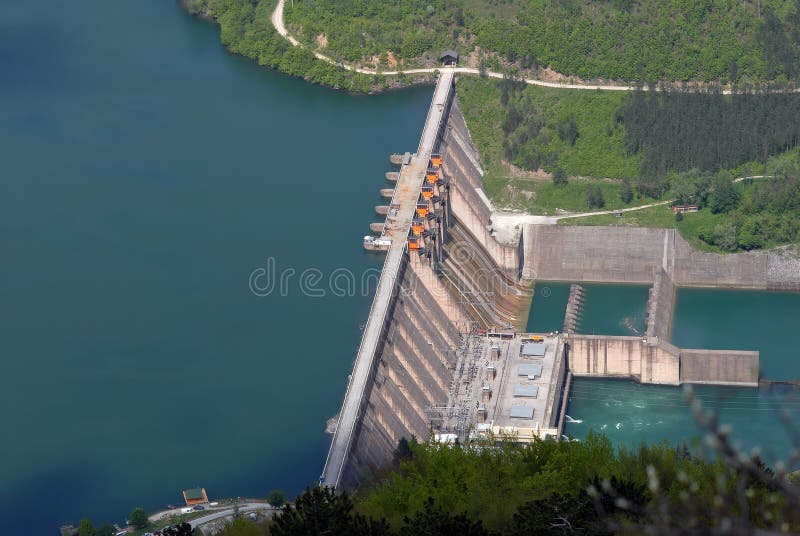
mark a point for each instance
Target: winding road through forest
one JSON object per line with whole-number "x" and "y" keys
{"x": 501, "y": 219}
{"x": 280, "y": 27}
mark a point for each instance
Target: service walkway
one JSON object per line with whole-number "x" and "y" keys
{"x": 405, "y": 198}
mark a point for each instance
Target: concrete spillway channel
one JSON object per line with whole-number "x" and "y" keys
{"x": 491, "y": 294}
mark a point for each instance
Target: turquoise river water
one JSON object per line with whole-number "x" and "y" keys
{"x": 630, "y": 413}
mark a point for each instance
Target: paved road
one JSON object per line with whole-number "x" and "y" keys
{"x": 502, "y": 220}
{"x": 280, "y": 27}
{"x": 158, "y": 516}
{"x": 601, "y": 212}
{"x": 228, "y": 511}
{"x": 740, "y": 179}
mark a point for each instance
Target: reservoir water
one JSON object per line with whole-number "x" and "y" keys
{"x": 630, "y": 413}
{"x": 145, "y": 175}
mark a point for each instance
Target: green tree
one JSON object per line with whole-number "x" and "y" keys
{"x": 559, "y": 514}
{"x": 138, "y": 518}
{"x": 320, "y": 510}
{"x": 626, "y": 191}
{"x": 403, "y": 451}
{"x": 482, "y": 68}
{"x": 724, "y": 237}
{"x": 679, "y": 216}
{"x": 750, "y": 234}
{"x": 243, "y": 527}
{"x": 568, "y": 130}
{"x": 687, "y": 187}
{"x": 594, "y": 197}
{"x": 559, "y": 177}
{"x": 436, "y": 522}
{"x": 276, "y": 498}
{"x": 85, "y": 528}
{"x": 724, "y": 196}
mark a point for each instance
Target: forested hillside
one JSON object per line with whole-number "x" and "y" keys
{"x": 602, "y": 149}
{"x": 611, "y": 150}
{"x": 548, "y": 488}
{"x": 246, "y": 29}
{"x": 631, "y": 40}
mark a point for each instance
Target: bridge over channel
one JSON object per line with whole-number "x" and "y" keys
{"x": 407, "y": 190}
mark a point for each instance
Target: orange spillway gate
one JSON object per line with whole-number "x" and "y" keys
{"x": 432, "y": 175}
{"x": 436, "y": 159}
{"x": 417, "y": 227}
{"x": 422, "y": 209}
{"x": 414, "y": 242}
{"x": 427, "y": 192}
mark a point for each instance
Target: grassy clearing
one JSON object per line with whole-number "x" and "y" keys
{"x": 599, "y": 151}
{"x": 663, "y": 217}
{"x": 545, "y": 198}
{"x": 598, "y": 157}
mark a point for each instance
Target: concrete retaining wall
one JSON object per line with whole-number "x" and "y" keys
{"x": 623, "y": 357}
{"x": 719, "y": 367}
{"x": 659, "y": 362}
{"x": 661, "y": 307}
{"x": 634, "y": 254}
{"x": 414, "y": 371}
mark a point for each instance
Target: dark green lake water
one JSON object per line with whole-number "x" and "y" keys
{"x": 630, "y": 413}
{"x": 145, "y": 175}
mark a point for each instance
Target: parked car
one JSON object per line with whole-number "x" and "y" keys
{"x": 199, "y": 507}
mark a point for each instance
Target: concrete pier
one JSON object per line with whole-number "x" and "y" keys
{"x": 574, "y": 309}
{"x": 660, "y": 307}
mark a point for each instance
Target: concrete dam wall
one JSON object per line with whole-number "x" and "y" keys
{"x": 413, "y": 369}
{"x": 484, "y": 273}
{"x": 635, "y": 255}
{"x": 424, "y": 352}
{"x": 461, "y": 281}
